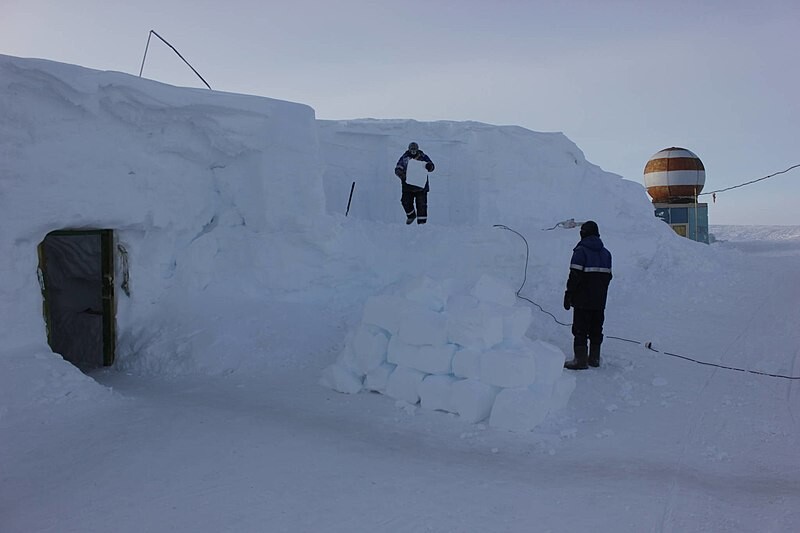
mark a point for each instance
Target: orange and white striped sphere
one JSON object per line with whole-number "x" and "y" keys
{"x": 674, "y": 174}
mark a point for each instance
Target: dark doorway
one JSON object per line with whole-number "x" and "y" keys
{"x": 77, "y": 273}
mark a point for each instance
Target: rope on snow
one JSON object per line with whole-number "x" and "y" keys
{"x": 648, "y": 345}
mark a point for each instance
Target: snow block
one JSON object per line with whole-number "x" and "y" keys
{"x": 474, "y": 328}
{"x": 461, "y": 301}
{"x": 347, "y": 358}
{"x": 423, "y": 326}
{"x": 386, "y": 311}
{"x": 521, "y": 409}
{"x": 472, "y": 399}
{"x": 369, "y": 347}
{"x": 508, "y": 368}
{"x": 467, "y": 363}
{"x": 403, "y": 384}
{"x": 435, "y": 359}
{"x": 516, "y": 321}
{"x": 399, "y": 352}
{"x": 435, "y": 393}
{"x": 378, "y": 377}
{"x": 340, "y": 378}
{"x": 492, "y": 290}
{"x": 428, "y": 359}
{"x": 426, "y": 292}
{"x": 562, "y": 391}
{"x": 549, "y": 362}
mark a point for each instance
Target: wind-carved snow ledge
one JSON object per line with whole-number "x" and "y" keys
{"x": 461, "y": 351}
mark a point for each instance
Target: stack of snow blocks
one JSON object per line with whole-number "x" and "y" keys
{"x": 461, "y": 351}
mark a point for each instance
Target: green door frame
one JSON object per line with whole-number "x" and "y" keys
{"x": 109, "y": 304}
{"x": 107, "y": 280}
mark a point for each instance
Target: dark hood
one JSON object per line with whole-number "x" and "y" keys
{"x": 591, "y": 242}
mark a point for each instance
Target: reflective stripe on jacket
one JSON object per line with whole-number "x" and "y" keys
{"x": 589, "y": 274}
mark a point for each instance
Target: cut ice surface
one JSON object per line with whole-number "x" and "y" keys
{"x": 342, "y": 379}
{"x": 467, "y": 363}
{"x": 369, "y": 347}
{"x": 491, "y": 290}
{"x": 508, "y": 367}
{"x": 436, "y": 393}
{"x": 521, "y": 409}
{"x": 403, "y": 384}
{"x": 423, "y": 326}
{"x": 472, "y": 399}
{"x": 377, "y": 378}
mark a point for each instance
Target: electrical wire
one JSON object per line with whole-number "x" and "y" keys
{"x": 527, "y": 254}
{"x": 750, "y": 182}
{"x": 525, "y": 274}
{"x": 648, "y": 345}
{"x": 153, "y": 32}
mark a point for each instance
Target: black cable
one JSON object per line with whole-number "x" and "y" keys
{"x": 750, "y": 182}
{"x": 622, "y": 339}
{"x": 525, "y": 277}
{"x": 648, "y": 345}
{"x": 153, "y": 32}
{"x": 527, "y": 253}
{"x": 543, "y": 311}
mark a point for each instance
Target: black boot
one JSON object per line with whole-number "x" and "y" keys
{"x": 410, "y": 218}
{"x": 581, "y": 359}
{"x": 594, "y": 355}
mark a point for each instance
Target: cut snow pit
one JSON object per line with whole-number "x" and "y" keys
{"x": 465, "y": 353}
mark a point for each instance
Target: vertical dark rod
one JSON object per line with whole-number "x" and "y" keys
{"x": 353, "y": 186}
{"x": 145, "y": 52}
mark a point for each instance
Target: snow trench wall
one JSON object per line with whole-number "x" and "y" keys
{"x": 484, "y": 174}
{"x": 187, "y": 178}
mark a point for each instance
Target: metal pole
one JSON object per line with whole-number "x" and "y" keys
{"x": 145, "y": 52}
{"x": 353, "y": 186}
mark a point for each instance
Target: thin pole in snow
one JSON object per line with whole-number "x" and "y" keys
{"x": 353, "y": 186}
{"x": 146, "y": 47}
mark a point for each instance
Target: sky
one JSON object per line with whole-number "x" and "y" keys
{"x": 622, "y": 79}
{"x": 244, "y": 299}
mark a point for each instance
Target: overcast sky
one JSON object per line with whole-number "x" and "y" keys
{"x": 623, "y": 79}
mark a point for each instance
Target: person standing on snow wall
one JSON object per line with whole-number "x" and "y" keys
{"x": 414, "y": 193}
{"x": 587, "y": 291}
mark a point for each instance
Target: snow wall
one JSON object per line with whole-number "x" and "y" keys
{"x": 223, "y": 201}
{"x": 485, "y": 175}
{"x": 187, "y": 178}
{"x": 462, "y": 350}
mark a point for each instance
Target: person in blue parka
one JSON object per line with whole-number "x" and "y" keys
{"x": 413, "y": 193}
{"x": 587, "y": 291}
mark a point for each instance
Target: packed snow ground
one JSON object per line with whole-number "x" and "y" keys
{"x": 647, "y": 443}
{"x": 213, "y": 418}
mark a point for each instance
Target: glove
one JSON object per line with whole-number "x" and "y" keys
{"x": 429, "y": 166}
{"x": 567, "y": 303}
{"x": 400, "y": 173}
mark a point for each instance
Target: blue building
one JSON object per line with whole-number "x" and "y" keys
{"x": 688, "y": 220}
